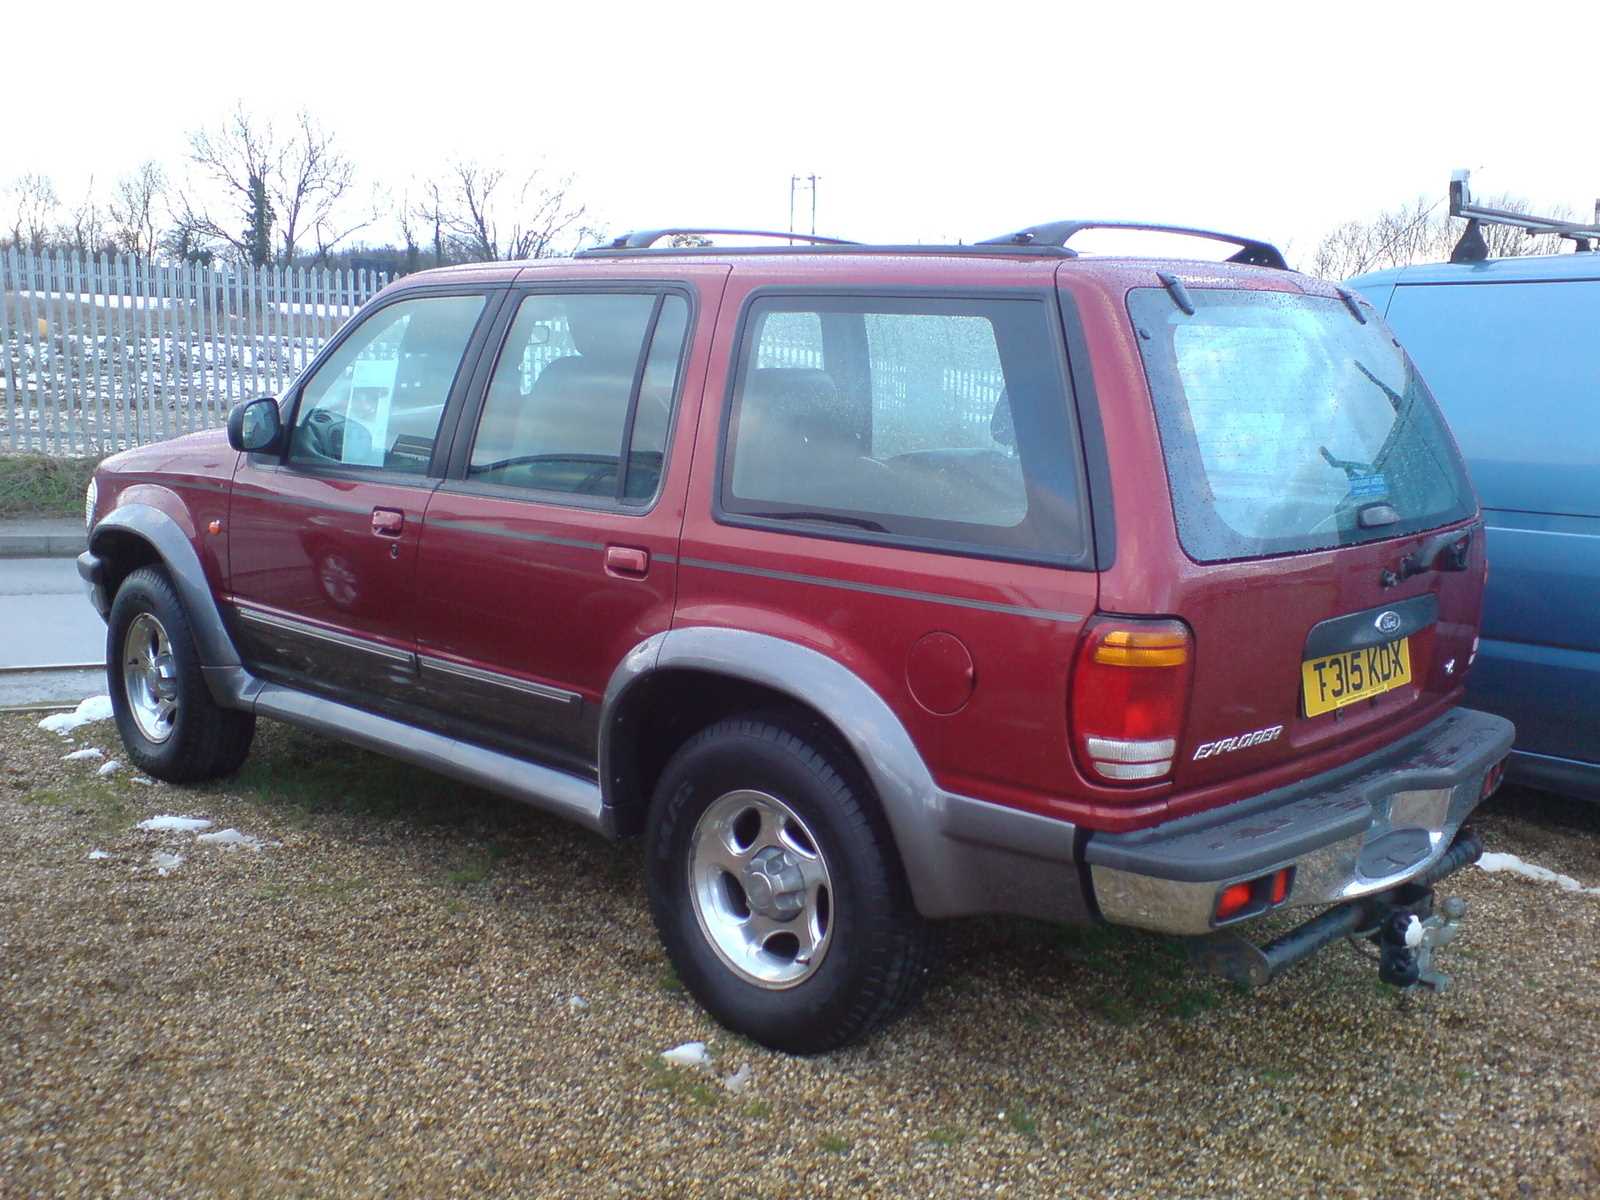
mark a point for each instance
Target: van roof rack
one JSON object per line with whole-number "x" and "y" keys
{"x": 1252, "y": 251}
{"x": 1473, "y": 248}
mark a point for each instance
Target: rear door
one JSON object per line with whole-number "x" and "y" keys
{"x": 1318, "y": 501}
{"x": 551, "y": 548}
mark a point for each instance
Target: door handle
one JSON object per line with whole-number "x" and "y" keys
{"x": 629, "y": 562}
{"x": 388, "y": 522}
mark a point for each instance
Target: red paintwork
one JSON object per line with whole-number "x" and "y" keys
{"x": 552, "y": 612}
{"x": 186, "y": 478}
{"x": 323, "y": 560}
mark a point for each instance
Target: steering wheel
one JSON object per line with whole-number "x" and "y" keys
{"x": 324, "y": 436}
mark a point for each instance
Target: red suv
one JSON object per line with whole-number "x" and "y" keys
{"x": 872, "y": 585}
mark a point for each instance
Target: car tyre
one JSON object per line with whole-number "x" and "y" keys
{"x": 777, "y": 890}
{"x": 171, "y": 727}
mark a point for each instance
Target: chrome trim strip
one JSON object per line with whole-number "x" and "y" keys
{"x": 348, "y": 641}
{"x": 874, "y": 589}
{"x": 510, "y": 682}
{"x": 516, "y": 535}
{"x": 246, "y": 490}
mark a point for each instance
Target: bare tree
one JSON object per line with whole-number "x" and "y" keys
{"x": 85, "y": 231}
{"x": 1421, "y": 231}
{"x": 481, "y": 217}
{"x": 134, "y": 209}
{"x": 288, "y": 190}
{"x": 34, "y": 206}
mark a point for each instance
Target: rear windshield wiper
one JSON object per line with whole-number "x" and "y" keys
{"x": 790, "y": 514}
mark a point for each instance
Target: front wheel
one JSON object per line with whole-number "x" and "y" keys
{"x": 777, "y": 891}
{"x": 170, "y": 726}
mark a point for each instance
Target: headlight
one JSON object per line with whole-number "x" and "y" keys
{"x": 89, "y": 497}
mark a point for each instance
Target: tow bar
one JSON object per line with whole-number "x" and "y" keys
{"x": 1401, "y": 921}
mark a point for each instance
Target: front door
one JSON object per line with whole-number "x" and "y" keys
{"x": 324, "y": 537}
{"x": 550, "y": 549}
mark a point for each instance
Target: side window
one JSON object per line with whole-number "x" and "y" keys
{"x": 567, "y": 395}
{"x": 927, "y": 421}
{"x": 378, "y": 401}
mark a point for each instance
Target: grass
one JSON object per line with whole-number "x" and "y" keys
{"x": 684, "y": 1085}
{"x": 1022, "y": 1120}
{"x": 40, "y": 485}
{"x": 947, "y": 1136}
{"x": 832, "y": 1143}
{"x": 103, "y": 801}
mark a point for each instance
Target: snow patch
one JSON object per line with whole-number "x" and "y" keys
{"x": 95, "y": 855}
{"x": 740, "y": 1080}
{"x": 1528, "y": 870}
{"x": 231, "y": 839}
{"x": 178, "y": 824}
{"x": 95, "y": 708}
{"x": 165, "y": 863}
{"x": 109, "y": 769}
{"x": 690, "y": 1054}
{"x": 80, "y": 755}
{"x": 577, "y": 1003}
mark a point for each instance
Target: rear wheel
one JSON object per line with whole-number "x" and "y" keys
{"x": 777, "y": 891}
{"x": 170, "y": 726}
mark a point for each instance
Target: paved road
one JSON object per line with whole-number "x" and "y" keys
{"x": 46, "y": 619}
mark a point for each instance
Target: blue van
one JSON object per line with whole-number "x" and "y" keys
{"x": 1511, "y": 349}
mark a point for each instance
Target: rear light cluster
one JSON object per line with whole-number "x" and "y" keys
{"x": 1252, "y": 896}
{"x": 1129, "y": 694}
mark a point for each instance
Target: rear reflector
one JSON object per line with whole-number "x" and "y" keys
{"x": 1129, "y": 695}
{"x": 1253, "y": 896}
{"x": 1491, "y": 779}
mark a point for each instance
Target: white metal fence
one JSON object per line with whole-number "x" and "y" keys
{"x": 97, "y": 354}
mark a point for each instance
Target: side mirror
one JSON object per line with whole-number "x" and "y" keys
{"x": 255, "y": 426}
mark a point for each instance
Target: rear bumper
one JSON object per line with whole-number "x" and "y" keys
{"x": 1355, "y": 831}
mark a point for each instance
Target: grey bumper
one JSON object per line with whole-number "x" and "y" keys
{"x": 1360, "y": 829}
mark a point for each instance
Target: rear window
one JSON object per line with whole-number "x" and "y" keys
{"x": 940, "y": 423}
{"x": 1290, "y": 426}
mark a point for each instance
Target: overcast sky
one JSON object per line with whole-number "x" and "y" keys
{"x": 925, "y": 122}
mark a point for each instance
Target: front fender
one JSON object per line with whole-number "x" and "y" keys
{"x": 173, "y": 545}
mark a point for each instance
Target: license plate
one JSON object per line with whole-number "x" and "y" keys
{"x": 1352, "y": 675}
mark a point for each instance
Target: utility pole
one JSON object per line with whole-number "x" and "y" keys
{"x": 807, "y": 183}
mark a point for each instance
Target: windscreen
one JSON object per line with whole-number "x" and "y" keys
{"x": 1290, "y": 426}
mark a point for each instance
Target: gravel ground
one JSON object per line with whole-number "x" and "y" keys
{"x": 380, "y": 1002}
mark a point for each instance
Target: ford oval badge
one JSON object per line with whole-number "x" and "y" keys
{"x": 1388, "y": 622}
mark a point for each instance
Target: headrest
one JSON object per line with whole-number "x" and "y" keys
{"x": 1000, "y": 427}
{"x": 787, "y": 403}
{"x": 608, "y": 327}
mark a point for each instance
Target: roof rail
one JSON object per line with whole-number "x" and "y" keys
{"x": 1057, "y": 233}
{"x": 1473, "y": 248}
{"x": 643, "y": 239}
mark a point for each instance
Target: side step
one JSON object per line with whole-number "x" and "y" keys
{"x": 577, "y": 800}
{"x": 1249, "y": 965}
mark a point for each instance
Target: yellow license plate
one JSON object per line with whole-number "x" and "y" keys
{"x": 1341, "y": 679}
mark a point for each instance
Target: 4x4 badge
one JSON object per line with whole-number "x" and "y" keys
{"x": 1388, "y": 621}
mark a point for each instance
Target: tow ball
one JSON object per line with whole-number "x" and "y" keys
{"x": 1406, "y": 943}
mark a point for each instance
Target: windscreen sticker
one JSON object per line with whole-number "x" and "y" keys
{"x": 1368, "y": 487}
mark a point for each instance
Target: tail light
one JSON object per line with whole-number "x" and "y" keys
{"x": 1129, "y": 694}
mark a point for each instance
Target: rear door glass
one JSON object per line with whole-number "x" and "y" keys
{"x": 934, "y": 422}
{"x": 1289, "y": 426}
